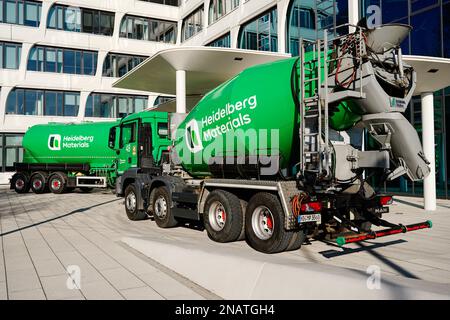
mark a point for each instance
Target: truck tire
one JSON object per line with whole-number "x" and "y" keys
{"x": 223, "y": 217}
{"x": 297, "y": 239}
{"x": 131, "y": 208}
{"x": 162, "y": 210}
{"x": 57, "y": 183}
{"x": 21, "y": 183}
{"x": 264, "y": 224}
{"x": 38, "y": 182}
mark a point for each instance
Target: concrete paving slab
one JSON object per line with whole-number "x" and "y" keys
{"x": 100, "y": 290}
{"x": 22, "y": 280}
{"x": 56, "y": 288}
{"x": 142, "y": 293}
{"x": 37, "y": 294}
{"x": 122, "y": 279}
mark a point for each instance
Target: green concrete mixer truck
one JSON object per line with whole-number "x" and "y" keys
{"x": 60, "y": 157}
{"x": 263, "y": 156}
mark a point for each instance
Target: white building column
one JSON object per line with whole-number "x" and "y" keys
{"x": 429, "y": 183}
{"x": 353, "y": 13}
{"x": 181, "y": 91}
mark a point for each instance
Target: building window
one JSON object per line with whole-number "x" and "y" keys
{"x": 162, "y": 99}
{"x": 23, "y": 12}
{"x": 307, "y": 20}
{"x": 33, "y": 102}
{"x": 141, "y": 28}
{"x": 222, "y": 42}
{"x": 219, "y": 8}
{"x": 10, "y": 55}
{"x": 193, "y": 23}
{"x": 261, "y": 33}
{"x": 117, "y": 65}
{"x": 174, "y": 3}
{"x": 62, "y": 60}
{"x": 104, "y": 105}
{"x": 76, "y": 19}
{"x": 10, "y": 151}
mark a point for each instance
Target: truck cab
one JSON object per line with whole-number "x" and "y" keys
{"x": 141, "y": 142}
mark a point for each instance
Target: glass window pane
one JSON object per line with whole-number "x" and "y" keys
{"x": 31, "y": 14}
{"x": 88, "y": 63}
{"x": 50, "y": 60}
{"x": 69, "y": 61}
{"x": 88, "y": 23}
{"x": 11, "y": 157}
{"x": 32, "y": 60}
{"x": 71, "y": 103}
{"x": 426, "y": 33}
{"x": 420, "y": 4}
{"x": 11, "y": 11}
{"x": 88, "y": 112}
{"x": 78, "y": 62}
{"x": 446, "y": 32}
{"x": 30, "y": 102}
{"x": 11, "y": 59}
{"x": 50, "y": 103}
{"x": 52, "y": 18}
{"x": 11, "y": 102}
{"x": 13, "y": 141}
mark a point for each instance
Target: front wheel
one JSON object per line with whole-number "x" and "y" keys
{"x": 162, "y": 210}
{"x": 264, "y": 224}
{"x": 131, "y": 207}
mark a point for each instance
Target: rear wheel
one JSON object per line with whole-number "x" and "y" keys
{"x": 20, "y": 183}
{"x": 38, "y": 182}
{"x": 223, "y": 217}
{"x": 131, "y": 206}
{"x": 162, "y": 210}
{"x": 57, "y": 183}
{"x": 296, "y": 241}
{"x": 264, "y": 224}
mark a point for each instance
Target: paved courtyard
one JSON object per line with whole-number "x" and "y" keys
{"x": 46, "y": 238}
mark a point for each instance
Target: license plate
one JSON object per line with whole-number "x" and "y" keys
{"x": 379, "y": 210}
{"x": 310, "y": 218}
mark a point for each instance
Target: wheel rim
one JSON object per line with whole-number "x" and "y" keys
{"x": 20, "y": 184}
{"x": 131, "y": 201}
{"x": 217, "y": 216}
{"x": 37, "y": 184}
{"x": 262, "y": 222}
{"x": 56, "y": 184}
{"x": 161, "y": 207}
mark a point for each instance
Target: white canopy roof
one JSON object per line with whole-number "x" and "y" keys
{"x": 432, "y": 73}
{"x": 206, "y": 68}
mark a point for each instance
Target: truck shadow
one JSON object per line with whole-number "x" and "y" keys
{"x": 370, "y": 249}
{"x": 57, "y": 217}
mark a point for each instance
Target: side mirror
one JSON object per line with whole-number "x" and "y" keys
{"x": 112, "y": 138}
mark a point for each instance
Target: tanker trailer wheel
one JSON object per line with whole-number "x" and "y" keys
{"x": 131, "y": 207}
{"x": 20, "y": 183}
{"x": 161, "y": 207}
{"x": 223, "y": 217}
{"x": 58, "y": 183}
{"x": 264, "y": 224}
{"x": 38, "y": 182}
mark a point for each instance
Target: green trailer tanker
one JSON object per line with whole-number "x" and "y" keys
{"x": 59, "y": 157}
{"x": 262, "y": 157}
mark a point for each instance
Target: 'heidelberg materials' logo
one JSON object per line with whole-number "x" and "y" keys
{"x": 54, "y": 142}
{"x": 192, "y": 135}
